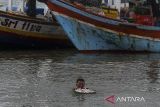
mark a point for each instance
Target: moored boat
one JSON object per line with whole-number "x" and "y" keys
{"x": 19, "y": 30}
{"x": 93, "y": 32}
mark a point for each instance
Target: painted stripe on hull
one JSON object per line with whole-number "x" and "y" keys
{"x": 132, "y": 29}
{"x": 33, "y": 34}
{"x": 26, "y": 18}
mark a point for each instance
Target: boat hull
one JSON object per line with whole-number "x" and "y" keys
{"x": 84, "y": 37}
{"x": 22, "y": 31}
{"x": 91, "y": 32}
{"x": 11, "y": 40}
{"x": 87, "y": 37}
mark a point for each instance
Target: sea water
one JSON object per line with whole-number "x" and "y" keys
{"x": 46, "y": 78}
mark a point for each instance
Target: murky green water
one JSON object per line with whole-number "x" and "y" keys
{"x": 46, "y": 78}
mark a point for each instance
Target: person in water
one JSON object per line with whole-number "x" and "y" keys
{"x": 80, "y": 84}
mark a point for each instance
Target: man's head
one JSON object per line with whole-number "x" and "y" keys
{"x": 80, "y": 83}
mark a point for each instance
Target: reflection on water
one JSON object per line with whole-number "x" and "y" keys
{"x": 46, "y": 78}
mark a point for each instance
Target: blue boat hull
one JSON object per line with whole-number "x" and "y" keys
{"x": 90, "y": 31}
{"x": 87, "y": 37}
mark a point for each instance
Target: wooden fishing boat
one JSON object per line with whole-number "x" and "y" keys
{"x": 92, "y": 32}
{"x": 19, "y": 30}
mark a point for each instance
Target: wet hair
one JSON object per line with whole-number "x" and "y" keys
{"x": 80, "y": 79}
